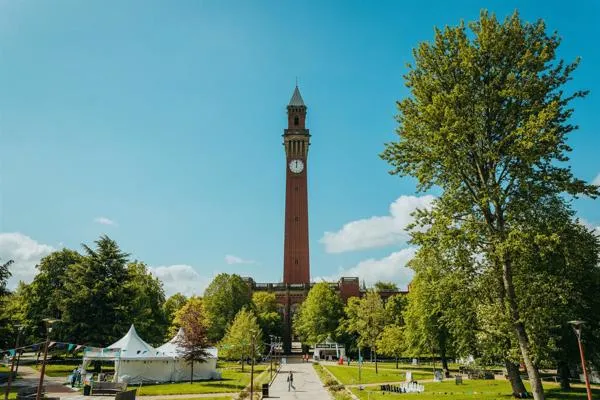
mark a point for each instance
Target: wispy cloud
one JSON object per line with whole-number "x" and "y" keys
{"x": 596, "y": 180}
{"x": 231, "y": 259}
{"x": 377, "y": 231}
{"x": 105, "y": 221}
{"x": 181, "y": 278}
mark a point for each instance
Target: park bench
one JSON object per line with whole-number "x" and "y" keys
{"x": 108, "y": 387}
{"x": 127, "y": 395}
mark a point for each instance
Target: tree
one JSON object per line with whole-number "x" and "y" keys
{"x": 318, "y": 317}
{"x": 223, "y": 299}
{"x": 381, "y": 286}
{"x": 366, "y": 317}
{"x": 95, "y": 303}
{"x": 243, "y": 338}
{"x": 170, "y": 308}
{"x": 147, "y": 299}
{"x": 394, "y": 307}
{"x": 265, "y": 306}
{"x": 391, "y": 342}
{"x": 487, "y": 122}
{"x": 45, "y": 295}
{"x": 195, "y": 342}
{"x": 4, "y": 275}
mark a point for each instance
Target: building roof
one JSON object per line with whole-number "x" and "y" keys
{"x": 296, "y": 99}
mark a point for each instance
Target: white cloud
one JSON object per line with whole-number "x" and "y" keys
{"x": 389, "y": 269}
{"x": 105, "y": 221}
{"x": 26, "y": 254}
{"x": 596, "y": 180}
{"x": 231, "y": 259}
{"x": 181, "y": 278}
{"x": 378, "y": 231}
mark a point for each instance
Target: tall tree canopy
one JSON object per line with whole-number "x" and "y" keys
{"x": 487, "y": 121}
{"x": 319, "y": 315}
{"x": 170, "y": 308}
{"x": 192, "y": 318}
{"x": 265, "y": 306}
{"x": 223, "y": 299}
{"x": 95, "y": 308}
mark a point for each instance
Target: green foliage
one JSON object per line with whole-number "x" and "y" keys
{"x": 95, "y": 301}
{"x": 4, "y": 275}
{"x": 318, "y": 317}
{"x": 487, "y": 121}
{"x": 145, "y": 307}
{"x": 394, "y": 307}
{"x": 242, "y": 337}
{"x": 265, "y": 306}
{"x": 170, "y": 308}
{"x": 223, "y": 299}
{"x": 193, "y": 320}
{"x": 366, "y": 318}
{"x": 391, "y": 343}
{"x": 381, "y": 286}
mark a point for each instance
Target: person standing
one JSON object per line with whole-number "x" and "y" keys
{"x": 290, "y": 380}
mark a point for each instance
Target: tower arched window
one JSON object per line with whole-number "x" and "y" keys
{"x": 296, "y": 120}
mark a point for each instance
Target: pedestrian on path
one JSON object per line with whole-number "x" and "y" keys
{"x": 290, "y": 380}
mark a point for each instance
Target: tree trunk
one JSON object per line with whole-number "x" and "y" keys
{"x": 564, "y": 376}
{"x": 445, "y": 365}
{"x": 396, "y": 362}
{"x": 514, "y": 377}
{"x": 192, "y": 373}
{"x": 532, "y": 371}
{"x": 375, "y": 353}
{"x": 242, "y": 364}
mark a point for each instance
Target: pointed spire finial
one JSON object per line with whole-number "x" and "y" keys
{"x": 296, "y": 99}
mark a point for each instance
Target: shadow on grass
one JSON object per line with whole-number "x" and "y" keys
{"x": 575, "y": 393}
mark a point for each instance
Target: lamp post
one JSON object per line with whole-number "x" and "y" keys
{"x": 271, "y": 358}
{"x": 253, "y": 338}
{"x": 12, "y": 364}
{"x": 577, "y": 326}
{"x": 49, "y": 322}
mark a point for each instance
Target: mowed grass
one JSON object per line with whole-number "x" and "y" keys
{"x": 471, "y": 390}
{"x": 60, "y": 370}
{"x": 234, "y": 380}
{"x": 348, "y": 375}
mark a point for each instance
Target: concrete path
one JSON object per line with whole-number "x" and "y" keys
{"x": 307, "y": 385}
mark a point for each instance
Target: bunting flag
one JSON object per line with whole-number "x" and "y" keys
{"x": 79, "y": 347}
{"x": 12, "y": 352}
{"x": 70, "y": 347}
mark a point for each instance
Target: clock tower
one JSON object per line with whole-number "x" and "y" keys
{"x": 296, "y": 139}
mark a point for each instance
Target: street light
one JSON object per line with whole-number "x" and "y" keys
{"x": 253, "y": 333}
{"x": 577, "y": 326}
{"x": 49, "y": 322}
{"x": 12, "y": 364}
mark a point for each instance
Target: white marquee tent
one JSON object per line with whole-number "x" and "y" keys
{"x": 138, "y": 362}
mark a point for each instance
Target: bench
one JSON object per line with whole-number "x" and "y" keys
{"x": 127, "y": 395}
{"x": 29, "y": 392}
{"x": 108, "y": 387}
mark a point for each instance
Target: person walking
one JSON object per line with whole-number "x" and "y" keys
{"x": 290, "y": 380}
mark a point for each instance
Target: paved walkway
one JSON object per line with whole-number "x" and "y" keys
{"x": 307, "y": 385}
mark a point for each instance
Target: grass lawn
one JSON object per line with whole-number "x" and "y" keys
{"x": 349, "y": 375}
{"x": 206, "y": 398}
{"x": 471, "y": 390}
{"x": 233, "y": 380}
{"x": 58, "y": 370}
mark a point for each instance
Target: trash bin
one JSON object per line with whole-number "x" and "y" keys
{"x": 86, "y": 390}
{"x": 265, "y": 390}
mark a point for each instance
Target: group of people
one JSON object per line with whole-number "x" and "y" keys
{"x": 76, "y": 377}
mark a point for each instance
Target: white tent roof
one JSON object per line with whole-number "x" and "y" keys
{"x": 173, "y": 347}
{"x": 132, "y": 346}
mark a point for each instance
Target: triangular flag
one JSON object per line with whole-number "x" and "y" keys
{"x": 70, "y": 347}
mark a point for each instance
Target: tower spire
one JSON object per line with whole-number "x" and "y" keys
{"x": 296, "y": 99}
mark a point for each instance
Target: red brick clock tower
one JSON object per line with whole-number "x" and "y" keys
{"x": 296, "y": 139}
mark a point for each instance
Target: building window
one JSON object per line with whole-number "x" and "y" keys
{"x": 296, "y": 121}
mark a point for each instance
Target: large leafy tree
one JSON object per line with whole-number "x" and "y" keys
{"x": 45, "y": 295}
{"x": 382, "y": 286}
{"x": 5, "y": 331}
{"x": 265, "y": 307}
{"x": 487, "y": 121}
{"x": 95, "y": 305}
{"x": 366, "y": 318}
{"x": 4, "y": 275}
{"x": 243, "y": 338}
{"x": 223, "y": 299}
{"x": 391, "y": 342}
{"x": 145, "y": 305}
{"x": 319, "y": 315}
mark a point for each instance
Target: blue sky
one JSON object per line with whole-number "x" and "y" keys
{"x": 165, "y": 118}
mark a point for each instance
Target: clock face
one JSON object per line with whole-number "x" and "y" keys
{"x": 296, "y": 166}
